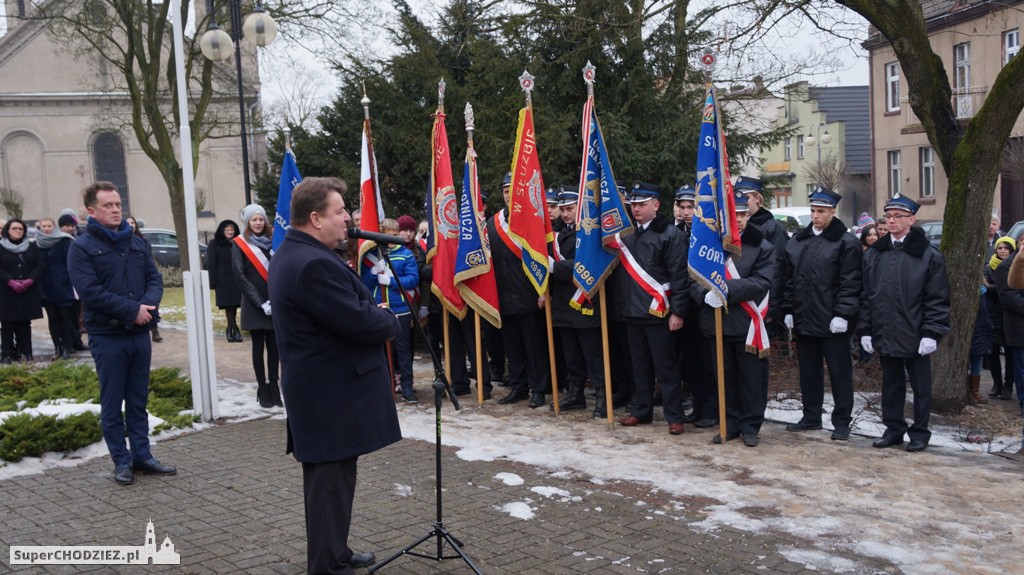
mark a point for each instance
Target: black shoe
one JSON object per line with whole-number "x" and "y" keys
{"x": 690, "y": 417}
{"x": 79, "y": 346}
{"x": 750, "y": 439}
{"x": 841, "y": 434}
{"x": 410, "y": 397}
{"x": 361, "y": 560}
{"x": 888, "y": 440}
{"x": 572, "y": 403}
{"x": 536, "y": 400}
{"x": 706, "y": 422}
{"x": 460, "y": 391}
{"x": 514, "y": 396}
{"x": 996, "y": 393}
{"x": 156, "y": 335}
{"x": 728, "y": 437}
{"x": 803, "y": 426}
{"x": 487, "y": 394}
{"x": 123, "y": 474}
{"x": 916, "y": 445}
{"x": 153, "y": 467}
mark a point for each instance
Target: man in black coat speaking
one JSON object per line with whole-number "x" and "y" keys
{"x": 334, "y": 372}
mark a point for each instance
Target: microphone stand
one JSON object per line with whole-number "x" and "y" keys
{"x": 441, "y": 386}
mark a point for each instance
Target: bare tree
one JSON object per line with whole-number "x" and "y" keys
{"x": 829, "y": 172}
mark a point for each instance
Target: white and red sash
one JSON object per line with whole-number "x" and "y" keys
{"x": 757, "y": 334}
{"x": 255, "y": 256}
{"x": 502, "y": 227}
{"x": 659, "y": 292}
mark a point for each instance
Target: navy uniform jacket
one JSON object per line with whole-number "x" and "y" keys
{"x": 334, "y": 373}
{"x": 516, "y": 294}
{"x": 662, "y": 252}
{"x": 906, "y": 295}
{"x": 563, "y": 288}
{"x": 775, "y": 233}
{"x": 823, "y": 278}
{"x": 756, "y": 266}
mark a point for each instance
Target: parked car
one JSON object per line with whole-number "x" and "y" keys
{"x": 1016, "y": 230}
{"x": 795, "y": 219}
{"x": 933, "y": 230}
{"x": 164, "y": 245}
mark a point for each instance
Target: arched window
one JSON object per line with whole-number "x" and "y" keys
{"x": 109, "y": 165}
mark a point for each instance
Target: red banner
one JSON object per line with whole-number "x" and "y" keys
{"x": 445, "y": 216}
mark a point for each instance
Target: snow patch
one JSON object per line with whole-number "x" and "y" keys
{"x": 518, "y": 509}
{"x": 509, "y": 478}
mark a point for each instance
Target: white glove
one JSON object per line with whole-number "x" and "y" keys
{"x": 928, "y": 345}
{"x": 788, "y": 320}
{"x": 266, "y": 307}
{"x": 384, "y": 279}
{"x": 713, "y": 299}
{"x": 378, "y": 267}
{"x": 865, "y": 342}
{"x": 838, "y": 325}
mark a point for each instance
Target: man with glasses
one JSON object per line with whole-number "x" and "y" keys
{"x": 904, "y": 312}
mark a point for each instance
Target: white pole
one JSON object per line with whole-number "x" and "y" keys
{"x": 201, "y": 361}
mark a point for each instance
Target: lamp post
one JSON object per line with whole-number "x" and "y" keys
{"x": 260, "y": 29}
{"x": 811, "y": 140}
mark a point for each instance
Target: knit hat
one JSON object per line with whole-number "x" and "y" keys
{"x": 406, "y": 223}
{"x": 864, "y": 220}
{"x": 66, "y": 220}
{"x": 251, "y": 210}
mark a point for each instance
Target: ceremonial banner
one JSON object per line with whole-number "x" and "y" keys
{"x": 474, "y": 273}
{"x": 528, "y": 222}
{"x": 714, "y": 229}
{"x": 289, "y": 179}
{"x": 601, "y": 215}
{"x": 370, "y": 206}
{"x": 445, "y": 217}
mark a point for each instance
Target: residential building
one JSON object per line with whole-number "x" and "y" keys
{"x": 829, "y": 145}
{"x": 974, "y": 41}
{"x": 65, "y": 122}
{"x": 750, "y": 109}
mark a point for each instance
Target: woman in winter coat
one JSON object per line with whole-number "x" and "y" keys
{"x": 58, "y": 295}
{"x": 20, "y": 301}
{"x": 250, "y": 259}
{"x": 222, "y": 276}
{"x": 1002, "y": 381}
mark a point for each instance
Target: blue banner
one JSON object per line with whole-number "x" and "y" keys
{"x": 289, "y": 179}
{"x": 714, "y": 219}
{"x": 601, "y": 214}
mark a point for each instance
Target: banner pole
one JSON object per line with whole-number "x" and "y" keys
{"x": 721, "y": 373}
{"x": 608, "y": 399}
{"x": 479, "y": 360}
{"x": 551, "y": 352}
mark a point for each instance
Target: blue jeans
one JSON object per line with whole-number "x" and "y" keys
{"x": 122, "y": 364}
{"x": 974, "y": 367}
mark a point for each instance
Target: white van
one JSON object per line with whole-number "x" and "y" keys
{"x": 795, "y": 218}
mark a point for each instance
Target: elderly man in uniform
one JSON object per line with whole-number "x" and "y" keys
{"x": 745, "y": 369}
{"x": 820, "y": 299}
{"x": 655, "y": 303}
{"x": 904, "y": 311}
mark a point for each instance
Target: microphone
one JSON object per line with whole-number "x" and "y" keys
{"x": 356, "y": 233}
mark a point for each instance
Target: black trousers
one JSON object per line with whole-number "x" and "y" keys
{"x": 62, "y": 328}
{"x": 16, "y": 339}
{"x": 462, "y": 339}
{"x": 695, "y": 359}
{"x": 622, "y": 359}
{"x": 264, "y": 338}
{"x": 583, "y": 356}
{"x": 746, "y": 386}
{"x": 835, "y": 352}
{"x": 525, "y": 342}
{"x": 894, "y": 395}
{"x": 328, "y": 490}
{"x": 494, "y": 345}
{"x": 653, "y": 350}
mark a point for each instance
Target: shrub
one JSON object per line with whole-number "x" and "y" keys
{"x": 172, "y": 276}
{"x": 25, "y": 435}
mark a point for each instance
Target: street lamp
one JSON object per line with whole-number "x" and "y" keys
{"x": 260, "y": 29}
{"x": 826, "y": 139}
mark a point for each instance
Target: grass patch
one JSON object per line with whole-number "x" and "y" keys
{"x": 22, "y": 386}
{"x": 172, "y": 309}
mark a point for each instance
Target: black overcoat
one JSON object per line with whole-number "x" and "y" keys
{"x": 253, "y": 288}
{"x": 756, "y": 267}
{"x": 26, "y": 265}
{"x": 334, "y": 371}
{"x": 222, "y": 273}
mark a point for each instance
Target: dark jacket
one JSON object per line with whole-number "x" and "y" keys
{"x": 775, "y": 233}
{"x": 55, "y": 282}
{"x": 221, "y": 270}
{"x": 756, "y": 267}
{"x": 1012, "y": 304}
{"x": 822, "y": 279}
{"x": 563, "y": 288}
{"x": 26, "y": 265}
{"x": 334, "y": 372}
{"x": 905, "y": 296}
{"x": 516, "y": 294}
{"x": 994, "y": 306}
{"x": 253, "y": 288}
{"x": 113, "y": 280}
{"x": 981, "y": 339}
{"x": 661, "y": 252}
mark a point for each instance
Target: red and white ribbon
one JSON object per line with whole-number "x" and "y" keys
{"x": 659, "y": 292}
{"x": 757, "y": 334}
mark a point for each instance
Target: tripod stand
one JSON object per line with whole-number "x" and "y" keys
{"x": 441, "y": 386}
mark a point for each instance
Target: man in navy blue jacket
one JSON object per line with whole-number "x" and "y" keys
{"x": 113, "y": 272}
{"x": 334, "y": 372}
